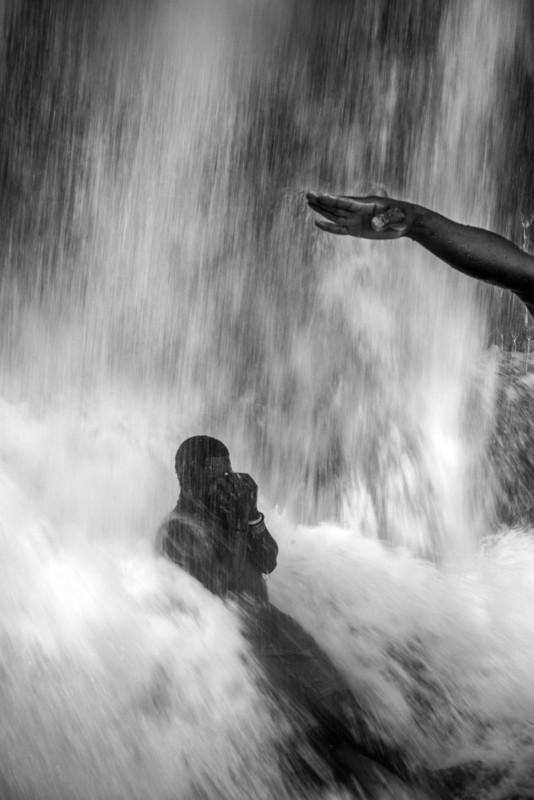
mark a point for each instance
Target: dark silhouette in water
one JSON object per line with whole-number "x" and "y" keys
{"x": 216, "y": 532}
{"x": 218, "y": 535}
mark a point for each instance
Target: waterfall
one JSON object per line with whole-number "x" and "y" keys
{"x": 162, "y": 277}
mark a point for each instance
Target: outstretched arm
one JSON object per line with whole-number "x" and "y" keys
{"x": 473, "y": 251}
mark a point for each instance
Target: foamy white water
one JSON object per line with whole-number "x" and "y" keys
{"x": 122, "y": 676}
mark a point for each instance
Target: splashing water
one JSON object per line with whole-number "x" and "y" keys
{"x": 161, "y": 278}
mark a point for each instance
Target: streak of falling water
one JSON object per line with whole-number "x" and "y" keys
{"x": 161, "y": 277}
{"x": 180, "y": 260}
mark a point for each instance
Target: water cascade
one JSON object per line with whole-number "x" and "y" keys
{"x": 162, "y": 277}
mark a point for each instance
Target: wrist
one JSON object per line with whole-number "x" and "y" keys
{"x": 257, "y": 523}
{"x": 420, "y": 222}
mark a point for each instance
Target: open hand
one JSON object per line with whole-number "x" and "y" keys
{"x": 364, "y": 217}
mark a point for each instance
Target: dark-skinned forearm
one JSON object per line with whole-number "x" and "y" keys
{"x": 475, "y": 252}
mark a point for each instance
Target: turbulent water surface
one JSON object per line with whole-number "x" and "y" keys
{"x": 161, "y": 277}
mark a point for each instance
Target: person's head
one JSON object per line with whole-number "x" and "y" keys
{"x": 199, "y": 460}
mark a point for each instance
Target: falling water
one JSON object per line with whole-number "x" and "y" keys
{"x": 162, "y": 277}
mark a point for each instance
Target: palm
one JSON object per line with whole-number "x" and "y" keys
{"x": 364, "y": 217}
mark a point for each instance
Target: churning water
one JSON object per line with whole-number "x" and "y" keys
{"x": 161, "y": 277}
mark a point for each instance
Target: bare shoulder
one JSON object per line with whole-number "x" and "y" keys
{"x": 179, "y": 536}
{"x": 162, "y": 534}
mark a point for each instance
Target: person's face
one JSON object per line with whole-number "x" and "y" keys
{"x": 203, "y": 477}
{"x": 216, "y": 467}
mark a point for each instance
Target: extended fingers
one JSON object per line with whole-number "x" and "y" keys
{"x": 329, "y": 204}
{"x": 330, "y": 227}
{"x": 343, "y": 204}
{"x": 329, "y": 200}
{"x": 332, "y": 214}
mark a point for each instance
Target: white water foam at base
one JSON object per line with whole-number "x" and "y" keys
{"x": 122, "y": 677}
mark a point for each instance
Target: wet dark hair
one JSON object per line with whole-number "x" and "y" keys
{"x": 192, "y": 454}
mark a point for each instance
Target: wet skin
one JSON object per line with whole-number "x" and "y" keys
{"x": 473, "y": 251}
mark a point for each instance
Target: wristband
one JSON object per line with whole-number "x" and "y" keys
{"x": 258, "y": 521}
